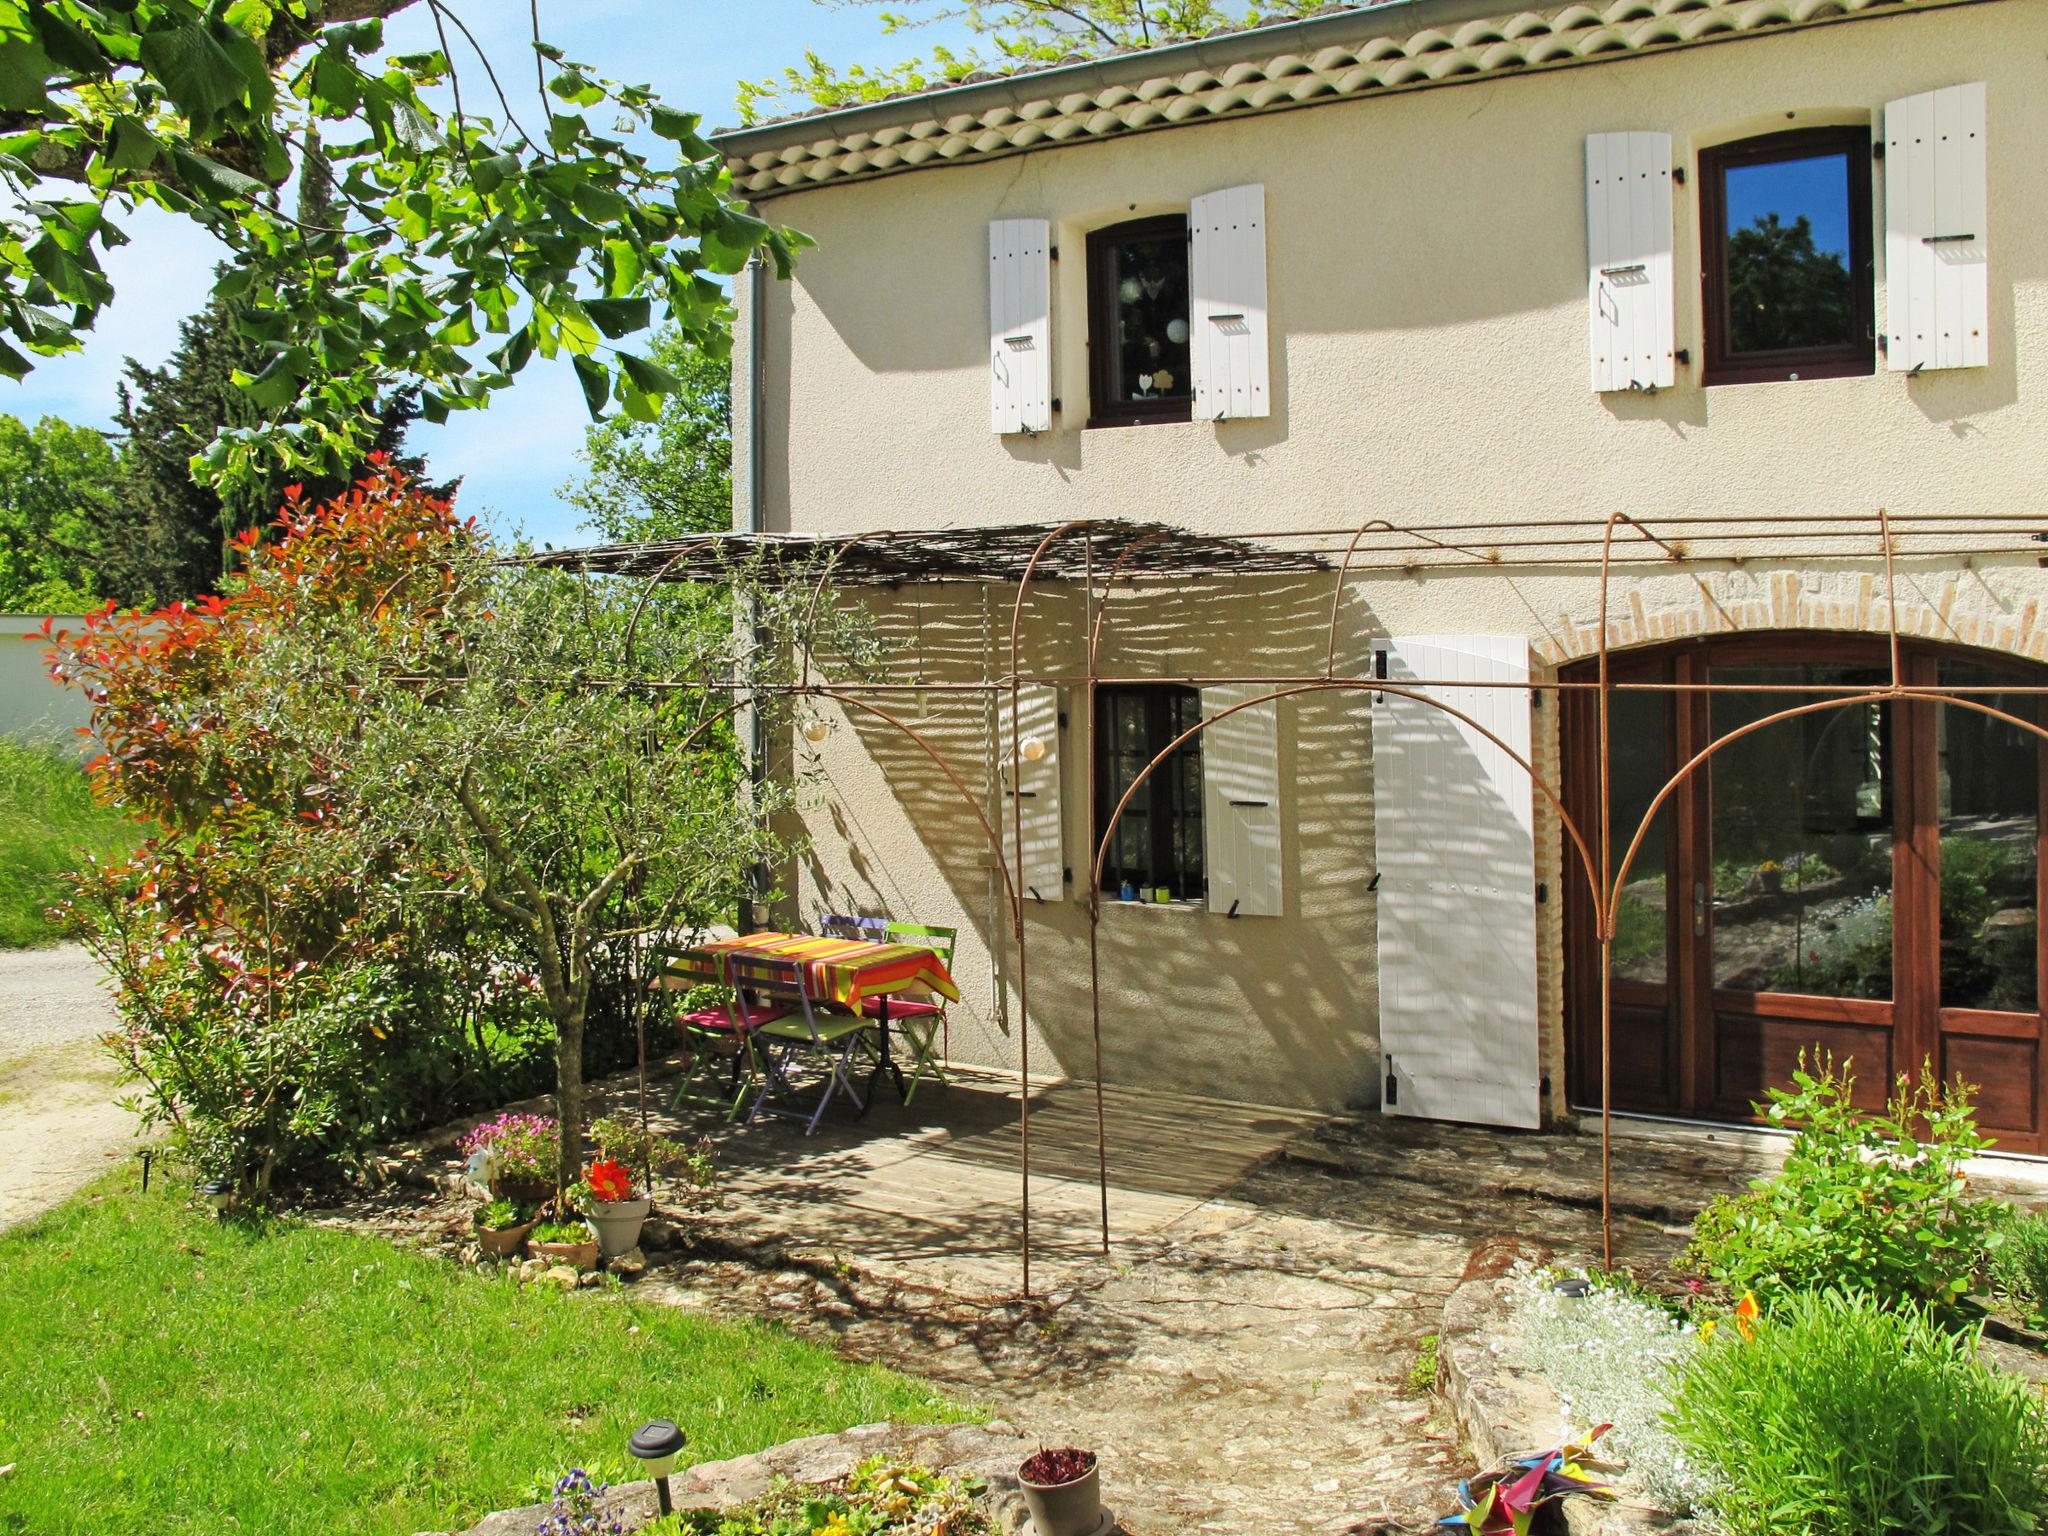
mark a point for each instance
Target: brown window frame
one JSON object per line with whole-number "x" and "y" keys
{"x": 1846, "y": 360}
{"x": 1104, "y": 409}
{"x": 1170, "y": 806}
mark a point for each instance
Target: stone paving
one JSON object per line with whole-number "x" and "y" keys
{"x": 1242, "y": 1363}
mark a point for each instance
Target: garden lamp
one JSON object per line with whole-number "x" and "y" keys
{"x": 1572, "y": 1287}
{"x": 217, "y": 1193}
{"x": 1031, "y": 749}
{"x": 816, "y": 729}
{"x": 658, "y": 1444}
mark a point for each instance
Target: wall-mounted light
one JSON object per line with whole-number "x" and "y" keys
{"x": 1031, "y": 749}
{"x": 816, "y": 730}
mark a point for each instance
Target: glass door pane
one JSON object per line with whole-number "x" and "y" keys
{"x": 1638, "y": 730}
{"x": 1802, "y": 838}
{"x": 1990, "y": 799}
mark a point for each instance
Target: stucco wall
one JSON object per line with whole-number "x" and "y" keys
{"x": 1426, "y": 261}
{"x": 30, "y": 705}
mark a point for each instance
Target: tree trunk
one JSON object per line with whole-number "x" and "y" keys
{"x": 569, "y": 1091}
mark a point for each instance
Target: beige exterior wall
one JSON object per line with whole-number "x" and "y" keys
{"x": 1427, "y": 302}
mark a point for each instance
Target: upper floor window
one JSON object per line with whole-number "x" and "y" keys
{"x": 1785, "y": 241}
{"x": 1158, "y": 841}
{"x": 1138, "y": 362}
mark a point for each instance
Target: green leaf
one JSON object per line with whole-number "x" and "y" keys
{"x": 729, "y": 239}
{"x": 12, "y": 364}
{"x": 233, "y": 282}
{"x": 275, "y": 387}
{"x": 493, "y": 171}
{"x": 597, "y": 385}
{"x": 24, "y": 70}
{"x": 67, "y": 43}
{"x": 574, "y": 86}
{"x": 357, "y": 36}
{"x": 671, "y": 124}
{"x": 211, "y": 176}
{"x": 201, "y": 75}
{"x": 648, "y": 377}
{"x": 619, "y": 317}
{"x": 132, "y": 146}
{"x": 640, "y": 407}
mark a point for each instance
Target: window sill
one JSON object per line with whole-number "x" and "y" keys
{"x": 1110, "y": 902}
{"x": 1149, "y": 419}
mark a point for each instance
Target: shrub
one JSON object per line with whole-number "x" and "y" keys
{"x": 2019, "y": 1263}
{"x": 1612, "y": 1356}
{"x": 1840, "y": 1416}
{"x": 1865, "y": 1202}
{"x": 522, "y": 1147}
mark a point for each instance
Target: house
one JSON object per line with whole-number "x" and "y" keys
{"x": 1471, "y": 281}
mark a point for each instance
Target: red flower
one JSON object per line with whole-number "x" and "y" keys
{"x": 609, "y": 1180}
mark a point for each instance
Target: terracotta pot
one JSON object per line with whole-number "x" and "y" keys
{"x": 1065, "y": 1509}
{"x": 618, "y": 1223}
{"x": 581, "y": 1255}
{"x": 503, "y": 1242}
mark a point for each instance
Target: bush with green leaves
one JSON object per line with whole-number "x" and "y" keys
{"x": 2019, "y": 1264}
{"x": 1872, "y": 1202}
{"x": 1840, "y": 1416}
{"x": 1612, "y": 1356}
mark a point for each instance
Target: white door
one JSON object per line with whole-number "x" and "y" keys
{"x": 1454, "y": 825}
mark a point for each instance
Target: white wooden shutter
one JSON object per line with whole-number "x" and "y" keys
{"x": 1628, "y": 260}
{"x": 1039, "y": 872}
{"x": 1241, "y": 803}
{"x": 1936, "y": 246}
{"x": 1227, "y": 309}
{"x": 1453, "y": 820}
{"x": 1020, "y": 325}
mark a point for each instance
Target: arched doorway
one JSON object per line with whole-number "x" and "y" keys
{"x": 1864, "y": 880}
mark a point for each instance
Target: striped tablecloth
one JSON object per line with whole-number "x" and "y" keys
{"x": 842, "y": 971}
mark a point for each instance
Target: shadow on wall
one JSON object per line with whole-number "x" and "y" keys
{"x": 1263, "y": 1009}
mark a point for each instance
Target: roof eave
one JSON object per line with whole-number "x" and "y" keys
{"x": 1025, "y": 88}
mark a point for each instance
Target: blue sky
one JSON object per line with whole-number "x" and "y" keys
{"x": 514, "y": 455}
{"x": 1816, "y": 187}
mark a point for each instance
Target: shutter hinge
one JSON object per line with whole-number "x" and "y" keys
{"x": 1877, "y": 149}
{"x": 1374, "y": 883}
{"x": 1393, "y": 1086}
{"x": 1379, "y": 665}
{"x": 1542, "y": 893}
{"x": 1063, "y": 719}
{"x": 1066, "y": 874}
{"x": 1535, "y": 698}
{"x": 1683, "y": 357}
{"x": 1052, "y": 253}
{"x": 1055, "y": 402}
{"x": 1678, "y": 174}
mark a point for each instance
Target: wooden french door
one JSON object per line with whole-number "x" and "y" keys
{"x": 1863, "y": 880}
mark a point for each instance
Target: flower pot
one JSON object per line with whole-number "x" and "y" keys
{"x": 581, "y": 1255}
{"x": 618, "y": 1223}
{"x": 1065, "y": 1509}
{"x": 504, "y": 1242}
{"x": 1773, "y": 879}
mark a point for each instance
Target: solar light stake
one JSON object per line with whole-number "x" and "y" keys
{"x": 658, "y": 1444}
{"x": 217, "y": 1193}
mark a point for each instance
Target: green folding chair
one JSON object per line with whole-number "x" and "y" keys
{"x": 801, "y": 1029}
{"x": 922, "y": 1025}
{"x": 725, "y": 1064}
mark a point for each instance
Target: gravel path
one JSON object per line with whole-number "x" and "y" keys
{"x": 59, "y": 1125}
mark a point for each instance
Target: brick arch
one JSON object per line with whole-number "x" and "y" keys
{"x": 1847, "y": 603}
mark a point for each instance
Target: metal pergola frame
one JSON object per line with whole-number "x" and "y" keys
{"x": 1132, "y": 553}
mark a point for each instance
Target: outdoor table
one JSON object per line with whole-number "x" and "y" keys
{"x": 845, "y": 973}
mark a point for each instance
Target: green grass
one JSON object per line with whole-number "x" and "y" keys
{"x": 164, "y": 1371}
{"x": 48, "y": 824}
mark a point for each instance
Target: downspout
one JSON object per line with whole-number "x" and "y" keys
{"x": 756, "y": 522}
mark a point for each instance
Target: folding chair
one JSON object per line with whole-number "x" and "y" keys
{"x": 715, "y": 1035}
{"x": 924, "y": 1024}
{"x": 802, "y": 1027}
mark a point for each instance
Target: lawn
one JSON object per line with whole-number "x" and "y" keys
{"x": 168, "y": 1372}
{"x": 48, "y": 825}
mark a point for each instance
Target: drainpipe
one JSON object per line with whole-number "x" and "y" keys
{"x": 756, "y": 522}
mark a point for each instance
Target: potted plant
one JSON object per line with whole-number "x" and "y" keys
{"x": 1772, "y": 874}
{"x": 620, "y": 1179}
{"x": 570, "y": 1242}
{"x": 1061, "y": 1491}
{"x": 618, "y": 1206}
{"x": 501, "y": 1228}
{"x": 514, "y": 1156}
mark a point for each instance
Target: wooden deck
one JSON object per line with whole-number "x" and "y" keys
{"x": 931, "y": 1192}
